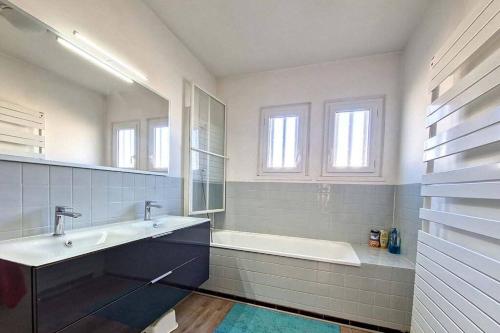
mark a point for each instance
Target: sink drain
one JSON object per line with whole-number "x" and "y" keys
{"x": 68, "y": 243}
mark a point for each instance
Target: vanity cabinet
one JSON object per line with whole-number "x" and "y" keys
{"x": 119, "y": 289}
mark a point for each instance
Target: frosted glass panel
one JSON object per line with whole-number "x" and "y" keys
{"x": 216, "y": 182}
{"x": 350, "y": 142}
{"x": 207, "y": 147}
{"x": 217, "y": 127}
{"x": 199, "y": 132}
{"x": 199, "y": 187}
{"x": 282, "y": 142}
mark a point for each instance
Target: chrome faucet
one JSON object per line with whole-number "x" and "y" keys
{"x": 60, "y": 213}
{"x": 147, "y": 209}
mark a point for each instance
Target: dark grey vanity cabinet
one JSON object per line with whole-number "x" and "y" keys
{"x": 120, "y": 289}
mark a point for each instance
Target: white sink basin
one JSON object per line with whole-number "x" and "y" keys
{"x": 44, "y": 249}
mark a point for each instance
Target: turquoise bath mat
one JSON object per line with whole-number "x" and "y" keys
{"x": 245, "y": 318}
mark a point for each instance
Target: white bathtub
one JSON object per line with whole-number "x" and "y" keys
{"x": 294, "y": 247}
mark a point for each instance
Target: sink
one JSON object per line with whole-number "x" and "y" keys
{"x": 43, "y": 249}
{"x": 48, "y": 246}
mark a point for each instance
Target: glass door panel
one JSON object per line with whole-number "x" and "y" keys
{"x": 216, "y": 183}
{"x": 199, "y": 130}
{"x": 208, "y": 161}
{"x": 217, "y": 127}
{"x": 199, "y": 181}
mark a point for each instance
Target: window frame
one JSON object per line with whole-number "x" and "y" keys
{"x": 152, "y": 124}
{"x": 375, "y": 106}
{"x": 302, "y": 111}
{"x": 115, "y": 127}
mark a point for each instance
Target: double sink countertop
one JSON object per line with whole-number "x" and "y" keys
{"x": 46, "y": 249}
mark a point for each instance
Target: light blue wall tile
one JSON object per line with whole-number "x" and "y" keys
{"x": 340, "y": 212}
{"x": 99, "y": 178}
{"x": 100, "y": 196}
{"x": 35, "y": 174}
{"x": 82, "y": 177}
{"x": 60, "y": 176}
{"x": 10, "y": 172}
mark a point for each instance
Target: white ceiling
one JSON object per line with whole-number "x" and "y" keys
{"x": 241, "y": 36}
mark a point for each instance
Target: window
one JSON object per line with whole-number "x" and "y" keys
{"x": 283, "y": 141}
{"x": 353, "y": 137}
{"x": 159, "y": 144}
{"x": 125, "y": 144}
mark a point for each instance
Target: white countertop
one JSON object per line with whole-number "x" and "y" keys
{"x": 381, "y": 257}
{"x": 45, "y": 249}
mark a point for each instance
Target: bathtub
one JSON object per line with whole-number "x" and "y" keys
{"x": 293, "y": 247}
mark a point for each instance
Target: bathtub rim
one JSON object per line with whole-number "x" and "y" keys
{"x": 284, "y": 254}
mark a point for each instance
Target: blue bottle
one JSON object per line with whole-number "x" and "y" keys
{"x": 394, "y": 241}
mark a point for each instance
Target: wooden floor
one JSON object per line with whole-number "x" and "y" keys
{"x": 202, "y": 314}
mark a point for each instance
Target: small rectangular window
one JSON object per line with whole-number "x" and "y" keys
{"x": 159, "y": 144}
{"x": 125, "y": 144}
{"x": 353, "y": 136}
{"x": 283, "y": 146}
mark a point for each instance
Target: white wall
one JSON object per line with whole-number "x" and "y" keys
{"x": 246, "y": 94}
{"x": 75, "y": 116}
{"x": 440, "y": 19}
{"x": 134, "y": 33}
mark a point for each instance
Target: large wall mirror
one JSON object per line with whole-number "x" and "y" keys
{"x": 60, "y": 103}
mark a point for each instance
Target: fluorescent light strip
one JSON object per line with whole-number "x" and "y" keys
{"x": 93, "y": 59}
{"x": 108, "y": 55}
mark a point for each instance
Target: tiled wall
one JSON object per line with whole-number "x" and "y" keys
{"x": 407, "y": 205}
{"x": 322, "y": 211}
{"x": 374, "y": 294}
{"x": 29, "y": 193}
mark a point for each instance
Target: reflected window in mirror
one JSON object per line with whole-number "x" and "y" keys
{"x": 75, "y": 112}
{"x": 159, "y": 144}
{"x": 125, "y": 144}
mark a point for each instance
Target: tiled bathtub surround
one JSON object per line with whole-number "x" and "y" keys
{"x": 322, "y": 211}
{"x": 374, "y": 294}
{"x": 407, "y": 204}
{"x": 29, "y": 192}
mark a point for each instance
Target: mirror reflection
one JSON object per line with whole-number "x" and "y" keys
{"x": 57, "y": 102}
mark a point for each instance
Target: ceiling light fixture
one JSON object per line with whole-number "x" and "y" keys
{"x": 109, "y": 58}
{"x": 84, "y": 54}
